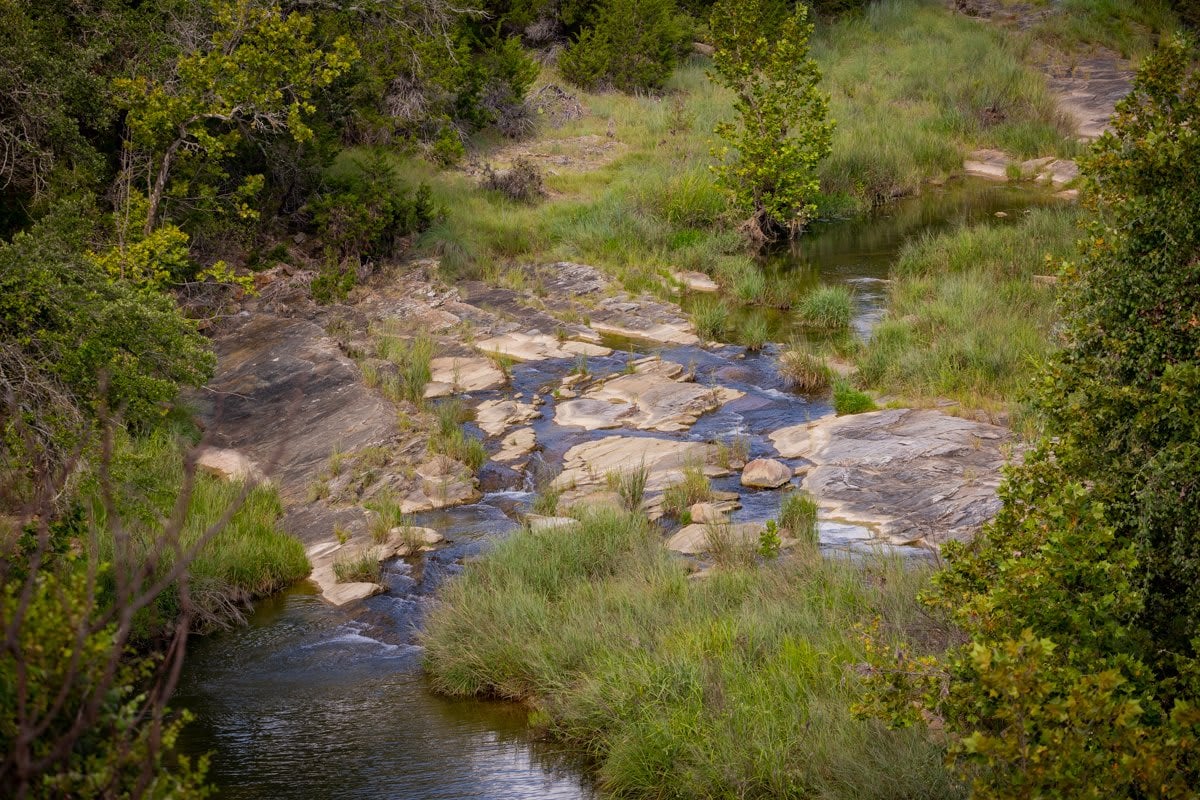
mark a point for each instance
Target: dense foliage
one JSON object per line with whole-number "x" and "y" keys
{"x": 632, "y": 45}
{"x": 1082, "y": 674}
{"x": 782, "y": 130}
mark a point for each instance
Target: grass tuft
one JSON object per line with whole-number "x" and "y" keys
{"x": 826, "y": 308}
{"x": 804, "y": 370}
{"x": 848, "y": 400}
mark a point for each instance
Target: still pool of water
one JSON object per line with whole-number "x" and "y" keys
{"x": 309, "y": 701}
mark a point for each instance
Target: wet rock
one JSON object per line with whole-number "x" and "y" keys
{"x": 495, "y": 477}
{"x": 470, "y": 374}
{"x": 906, "y": 473}
{"x": 766, "y": 473}
{"x": 340, "y": 594}
{"x": 696, "y": 281}
{"x": 407, "y": 538}
{"x": 494, "y": 417}
{"x": 516, "y": 445}
{"x": 651, "y": 398}
{"x": 229, "y": 465}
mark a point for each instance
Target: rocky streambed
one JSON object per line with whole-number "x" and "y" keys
{"x": 571, "y": 381}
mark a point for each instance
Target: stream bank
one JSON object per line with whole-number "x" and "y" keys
{"x": 314, "y": 700}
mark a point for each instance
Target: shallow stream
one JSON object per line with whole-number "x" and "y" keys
{"x": 311, "y": 701}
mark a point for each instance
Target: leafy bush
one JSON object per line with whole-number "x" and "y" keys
{"x": 1079, "y": 601}
{"x": 633, "y": 45}
{"x": 365, "y": 211}
{"x": 66, "y": 323}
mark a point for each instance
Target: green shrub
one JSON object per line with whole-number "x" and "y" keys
{"x": 364, "y": 210}
{"x": 633, "y": 45}
{"x": 1079, "y": 603}
{"x": 826, "y": 308}
{"x": 848, "y": 400}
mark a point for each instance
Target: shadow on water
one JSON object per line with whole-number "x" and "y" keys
{"x": 309, "y": 701}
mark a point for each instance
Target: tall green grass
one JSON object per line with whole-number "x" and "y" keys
{"x": 249, "y": 558}
{"x": 734, "y": 686}
{"x": 965, "y": 318}
{"x": 912, "y": 86}
{"x": 1132, "y": 29}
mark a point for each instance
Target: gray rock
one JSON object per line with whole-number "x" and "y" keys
{"x": 908, "y": 474}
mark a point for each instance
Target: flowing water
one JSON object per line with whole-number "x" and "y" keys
{"x": 310, "y": 701}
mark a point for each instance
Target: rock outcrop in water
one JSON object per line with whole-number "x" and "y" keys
{"x": 651, "y": 398}
{"x": 908, "y": 474}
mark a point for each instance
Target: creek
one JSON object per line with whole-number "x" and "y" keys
{"x": 312, "y": 701}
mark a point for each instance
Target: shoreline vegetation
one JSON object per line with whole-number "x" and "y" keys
{"x": 739, "y": 683}
{"x": 156, "y": 161}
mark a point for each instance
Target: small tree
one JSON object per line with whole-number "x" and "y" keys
{"x": 782, "y": 131}
{"x": 257, "y": 73}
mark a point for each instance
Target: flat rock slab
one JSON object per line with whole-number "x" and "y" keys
{"x": 643, "y": 318}
{"x": 494, "y": 417}
{"x": 693, "y": 539}
{"x": 909, "y": 474}
{"x": 516, "y": 445}
{"x": 284, "y": 392}
{"x": 651, "y": 398}
{"x": 1088, "y": 91}
{"x": 587, "y": 465}
{"x": 469, "y": 374}
{"x": 537, "y": 346}
{"x": 696, "y": 281}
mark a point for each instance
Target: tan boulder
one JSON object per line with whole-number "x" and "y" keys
{"x": 766, "y": 473}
